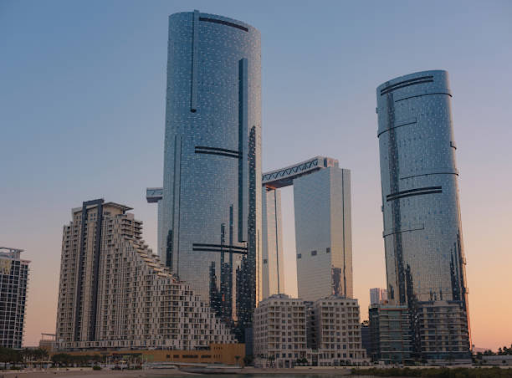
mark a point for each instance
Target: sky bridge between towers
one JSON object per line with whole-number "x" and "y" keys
{"x": 280, "y": 178}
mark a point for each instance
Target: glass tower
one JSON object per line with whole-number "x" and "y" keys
{"x": 323, "y": 233}
{"x": 272, "y": 281}
{"x": 211, "y": 205}
{"x": 425, "y": 261}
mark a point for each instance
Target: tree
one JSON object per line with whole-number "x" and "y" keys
{"x": 248, "y": 360}
{"x": 62, "y": 359}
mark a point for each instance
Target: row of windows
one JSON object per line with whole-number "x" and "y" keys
{"x": 314, "y": 253}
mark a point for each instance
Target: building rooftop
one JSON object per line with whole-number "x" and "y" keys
{"x": 13, "y": 253}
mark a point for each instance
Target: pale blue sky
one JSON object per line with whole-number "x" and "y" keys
{"x": 82, "y": 95}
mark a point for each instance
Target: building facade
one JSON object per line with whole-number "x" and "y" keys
{"x": 211, "y": 205}
{"x": 280, "y": 332}
{"x": 422, "y": 227}
{"x": 323, "y": 234}
{"x": 391, "y": 339}
{"x": 335, "y": 328}
{"x": 323, "y": 225}
{"x": 365, "y": 337}
{"x": 440, "y": 331}
{"x": 378, "y": 296}
{"x": 228, "y": 354}
{"x": 114, "y": 293}
{"x": 290, "y": 332}
{"x": 13, "y": 297}
{"x": 273, "y": 251}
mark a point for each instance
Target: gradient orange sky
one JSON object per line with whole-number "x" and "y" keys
{"x": 83, "y": 104}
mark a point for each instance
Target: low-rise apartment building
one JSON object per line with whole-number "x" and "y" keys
{"x": 289, "y": 332}
{"x": 390, "y": 333}
{"x": 441, "y": 331}
{"x": 280, "y": 331}
{"x": 334, "y": 323}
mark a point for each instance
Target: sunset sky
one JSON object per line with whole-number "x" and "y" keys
{"x": 82, "y": 105}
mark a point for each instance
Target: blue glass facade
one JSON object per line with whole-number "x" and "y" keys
{"x": 422, "y": 228}
{"x": 272, "y": 281}
{"x": 211, "y": 205}
{"x": 323, "y": 227}
{"x": 323, "y": 233}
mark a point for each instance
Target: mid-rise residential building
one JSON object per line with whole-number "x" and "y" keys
{"x": 289, "y": 332}
{"x": 378, "y": 296}
{"x": 440, "y": 330}
{"x": 114, "y": 293}
{"x": 334, "y": 324}
{"x": 13, "y": 296}
{"x": 280, "y": 331}
{"x": 390, "y": 333}
{"x": 425, "y": 259}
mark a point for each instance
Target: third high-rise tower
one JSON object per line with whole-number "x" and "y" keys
{"x": 425, "y": 261}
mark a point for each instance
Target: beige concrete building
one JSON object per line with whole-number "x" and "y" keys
{"x": 289, "y": 332}
{"x": 442, "y": 329}
{"x": 280, "y": 331}
{"x": 335, "y": 332}
{"x": 114, "y": 293}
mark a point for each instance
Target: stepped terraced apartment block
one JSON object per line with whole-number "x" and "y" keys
{"x": 114, "y": 293}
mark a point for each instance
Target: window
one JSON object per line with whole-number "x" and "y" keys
{"x": 313, "y": 253}
{"x": 328, "y": 250}
{"x": 299, "y": 255}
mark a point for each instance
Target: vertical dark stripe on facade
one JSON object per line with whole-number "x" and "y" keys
{"x": 394, "y": 179}
{"x": 81, "y": 258}
{"x": 177, "y": 236}
{"x": 251, "y": 246}
{"x": 277, "y": 241}
{"x": 195, "y": 51}
{"x": 344, "y": 240}
{"x": 231, "y": 281}
{"x": 169, "y": 255}
{"x": 96, "y": 270}
{"x": 242, "y": 148}
{"x": 231, "y": 215}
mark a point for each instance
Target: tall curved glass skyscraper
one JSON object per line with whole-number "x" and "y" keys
{"x": 211, "y": 205}
{"x": 425, "y": 261}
